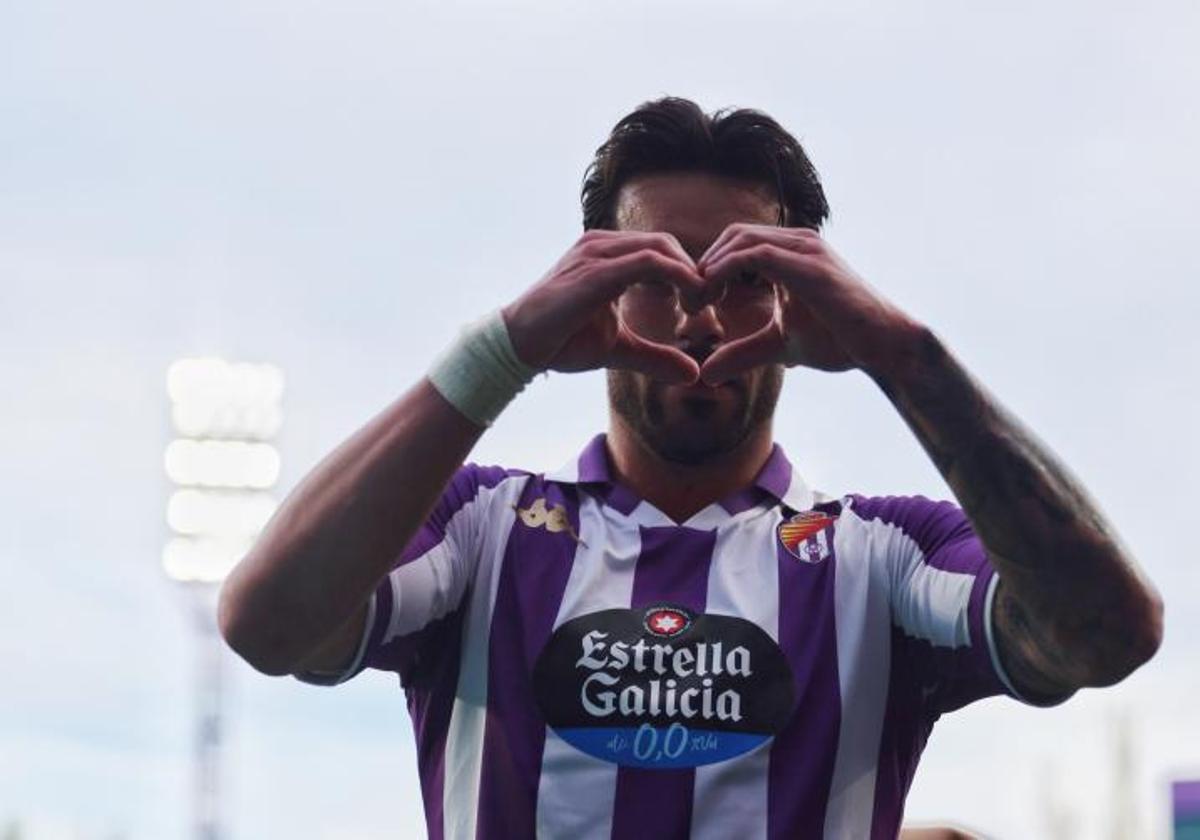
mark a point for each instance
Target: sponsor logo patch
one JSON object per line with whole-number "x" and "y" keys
{"x": 663, "y": 686}
{"x": 805, "y": 535}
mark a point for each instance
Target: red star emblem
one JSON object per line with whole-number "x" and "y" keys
{"x": 667, "y": 621}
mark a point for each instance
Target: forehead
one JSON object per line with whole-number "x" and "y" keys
{"x": 693, "y": 206}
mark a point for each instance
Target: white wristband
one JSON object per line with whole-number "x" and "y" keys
{"x": 480, "y": 373}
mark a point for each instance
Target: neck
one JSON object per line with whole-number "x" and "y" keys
{"x": 681, "y": 490}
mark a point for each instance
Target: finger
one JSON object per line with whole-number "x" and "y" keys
{"x": 762, "y": 258}
{"x": 625, "y": 242}
{"x": 762, "y": 347}
{"x": 694, "y": 295}
{"x": 617, "y": 274}
{"x": 723, "y": 238}
{"x": 632, "y": 352}
{"x": 618, "y": 242}
{"x": 804, "y": 275}
{"x": 799, "y": 240}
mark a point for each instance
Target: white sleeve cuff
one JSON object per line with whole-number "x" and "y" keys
{"x": 995, "y": 653}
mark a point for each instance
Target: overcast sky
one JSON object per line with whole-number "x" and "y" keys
{"x": 336, "y": 187}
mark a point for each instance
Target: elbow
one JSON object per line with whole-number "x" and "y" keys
{"x": 245, "y": 636}
{"x": 1139, "y": 636}
{"x": 1153, "y": 624}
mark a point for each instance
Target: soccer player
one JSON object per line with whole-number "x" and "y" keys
{"x": 674, "y": 635}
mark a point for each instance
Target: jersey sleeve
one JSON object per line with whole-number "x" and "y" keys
{"x": 418, "y": 603}
{"x": 941, "y": 591}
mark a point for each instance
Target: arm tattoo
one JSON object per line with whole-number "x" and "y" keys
{"x": 1075, "y": 610}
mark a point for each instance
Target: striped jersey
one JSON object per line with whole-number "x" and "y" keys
{"x": 578, "y": 665}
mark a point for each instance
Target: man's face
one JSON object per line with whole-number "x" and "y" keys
{"x": 692, "y": 423}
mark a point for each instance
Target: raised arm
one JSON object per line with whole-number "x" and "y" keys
{"x": 1072, "y": 608}
{"x": 337, "y": 533}
{"x": 296, "y": 600}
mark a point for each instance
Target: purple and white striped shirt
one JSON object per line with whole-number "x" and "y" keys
{"x": 578, "y": 665}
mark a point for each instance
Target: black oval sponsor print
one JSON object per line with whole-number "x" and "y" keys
{"x": 662, "y": 686}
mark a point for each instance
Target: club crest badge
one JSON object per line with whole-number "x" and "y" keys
{"x": 805, "y": 535}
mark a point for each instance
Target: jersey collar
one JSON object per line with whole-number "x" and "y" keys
{"x": 776, "y": 480}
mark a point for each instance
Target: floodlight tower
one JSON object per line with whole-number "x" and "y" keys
{"x": 222, "y": 467}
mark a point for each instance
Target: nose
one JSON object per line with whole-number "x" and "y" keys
{"x": 700, "y": 333}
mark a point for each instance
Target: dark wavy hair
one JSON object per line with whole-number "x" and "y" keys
{"x": 672, "y": 134}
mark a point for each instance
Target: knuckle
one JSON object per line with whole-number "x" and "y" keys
{"x": 650, "y": 258}
{"x": 589, "y": 249}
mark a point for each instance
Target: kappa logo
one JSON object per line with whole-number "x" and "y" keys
{"x": 554, "y": 520}
{"x": 805, "y": 535}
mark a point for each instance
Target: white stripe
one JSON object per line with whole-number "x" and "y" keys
{"x": 576, "y": 792}
{"x": 432, "y": 585}
{"x": 798, "y": 496}
{"x": 464, "y": 739}
{"x": 864, "y": 657}
{"x": 927, "y": 603}
{"x": 729, "y": 798}
{"x": 568, "y": 472}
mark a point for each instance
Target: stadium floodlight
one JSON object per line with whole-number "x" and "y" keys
{"x": 224, "y": 414}
{"x": 223, "y": 466}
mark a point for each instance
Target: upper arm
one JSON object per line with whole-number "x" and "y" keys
{"x": 942, "y": 591}
{"x": 414, "y": 605}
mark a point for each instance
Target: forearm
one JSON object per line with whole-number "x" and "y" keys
{"x": 1069, "y": 585}
{"x": 337, "y": 533}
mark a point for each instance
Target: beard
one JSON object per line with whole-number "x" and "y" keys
{"x": 694, "y": 430}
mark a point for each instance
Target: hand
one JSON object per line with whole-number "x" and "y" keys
{"x": 569, "y": 320}
{"x": 828, "y": 317}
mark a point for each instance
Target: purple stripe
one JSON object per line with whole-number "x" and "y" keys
{"x": 593, "y": 461}
{"x": 673, "y": 566}
{"x": 906, "y": 728}
{"x": 430, "y": 701}
{"x": 802, "y": 755}
{"x": 776, "y": 474}
{"x": 428, "y": 659}
{"x": 537, "y": 563}
{"x": 619, "y": 497}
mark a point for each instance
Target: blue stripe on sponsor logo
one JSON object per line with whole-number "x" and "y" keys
{"x": 660, "y": 747}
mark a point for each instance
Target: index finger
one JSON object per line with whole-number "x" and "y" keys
{"x": 615, "y": 275}
{"x": 690, "y": 284}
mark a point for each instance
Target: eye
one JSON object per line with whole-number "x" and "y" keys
{"x": 751, "y": 280}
